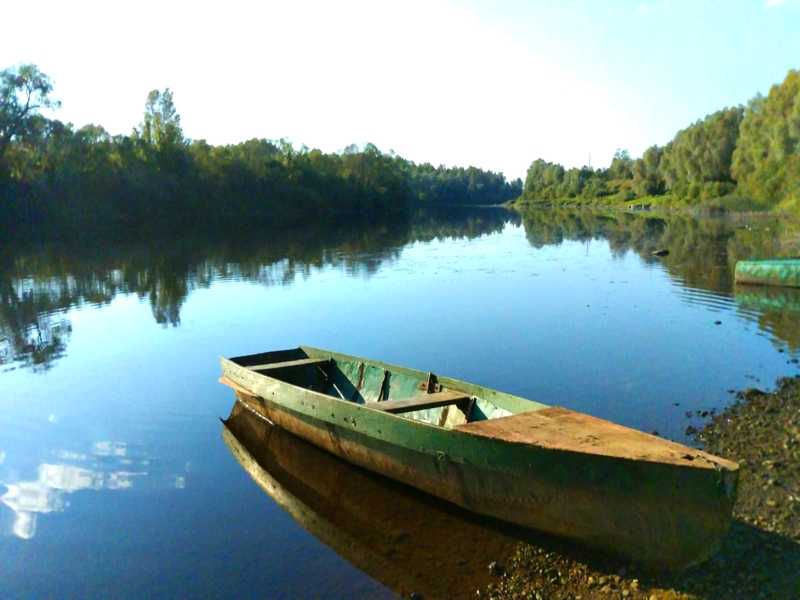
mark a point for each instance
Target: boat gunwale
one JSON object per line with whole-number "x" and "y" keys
{"x": 328, "y": 398}
{"x": 509, "y": 402}
{"x": 443, "y": 438}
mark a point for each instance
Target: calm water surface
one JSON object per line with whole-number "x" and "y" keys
{"x": 118, "y": 479}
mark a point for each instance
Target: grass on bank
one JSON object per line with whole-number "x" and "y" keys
{"x": 727, "y": 204}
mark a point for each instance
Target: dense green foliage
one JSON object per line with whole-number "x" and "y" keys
{"x": 440, "y": 186}
{"x": 66, "y": 178}
{"x": 745, "y": 156}
{"x": 698, "y": 161}
{"x": 767, "y": 157}
{"x": 23, "y": 92}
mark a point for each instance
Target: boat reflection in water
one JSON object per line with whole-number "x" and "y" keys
{"x": 775, "y": 309}
{"x": 405, "y": 539}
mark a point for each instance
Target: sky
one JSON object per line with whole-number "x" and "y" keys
{"x": 492, "y": 83}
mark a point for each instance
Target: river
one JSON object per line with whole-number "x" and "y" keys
{"x": 115, "y": 479}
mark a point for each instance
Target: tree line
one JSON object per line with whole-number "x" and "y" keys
{"x": 740, "y": 156}
{"x": 56, "y": 174}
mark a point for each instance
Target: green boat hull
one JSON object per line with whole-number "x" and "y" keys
{"x": 775, "y": 271}
{"x": 666, "y": 515}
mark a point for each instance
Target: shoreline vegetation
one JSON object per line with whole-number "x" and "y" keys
{"x": 65, "y": 180}
{"x": 57, "y": 180}
{"x": 739, "y": 159}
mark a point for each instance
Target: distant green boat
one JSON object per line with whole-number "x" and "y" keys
{"x": 771, "y": 271}
{"x": 632, "y": 494}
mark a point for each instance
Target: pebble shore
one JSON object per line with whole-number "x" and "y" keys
{"x": 760, "y": 557}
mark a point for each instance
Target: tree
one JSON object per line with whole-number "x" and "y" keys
{"x": 573, "y": 183}
{"x": 161, "y": 127}
{"x": 697, "y": 162}
{"x": 24, "y": 90}
{"x": 766, "y": 162}
{"x": 543, "y": 181}
{"x": 621, "y": 165}
{"x": 647, "y": 177}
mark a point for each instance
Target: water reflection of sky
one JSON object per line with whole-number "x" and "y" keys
{"x": 586, "y": 324}
{"x": 108, "y": 465}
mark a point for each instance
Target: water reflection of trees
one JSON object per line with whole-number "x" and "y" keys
{"x": 31, "y": 332}
{"x": 430, "y": 224}
{"x": 703, "y": 251}
{"x": 38, "y": 286}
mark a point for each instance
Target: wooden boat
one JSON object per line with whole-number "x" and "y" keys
{"x": 635, "y": 495}
{"x": 773, "y": 271}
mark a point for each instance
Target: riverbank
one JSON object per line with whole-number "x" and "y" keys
{"x": 761, "y": 555}
{"x": 647, "y": 202}
{"x": 665, "y": 202}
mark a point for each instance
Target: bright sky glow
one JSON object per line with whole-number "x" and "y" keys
{"x": 492, "y": 83}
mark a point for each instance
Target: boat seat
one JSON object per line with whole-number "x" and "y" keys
{"x": 289, "y": 364}
{"x": 419, "y": 402}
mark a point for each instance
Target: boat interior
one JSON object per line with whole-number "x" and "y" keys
{"x": 452, "y": 404}
{"x": 403, "y": 392}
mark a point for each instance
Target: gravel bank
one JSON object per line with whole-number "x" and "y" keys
{"x": 760, "y": 557}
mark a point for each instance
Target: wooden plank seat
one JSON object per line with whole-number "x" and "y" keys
{"x": 289, "y": 364}
{"x": 419, "y": 402}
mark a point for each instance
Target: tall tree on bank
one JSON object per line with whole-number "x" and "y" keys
{"x": 621, "y": 166}
{"x": 766, "y": 162}
{"x": 24, "y": 90}
{"x": 697, "y": 162}
{"x": 648, "y": 179}
{"x": 161, "y": 126}
{"x": 161, "y": 148}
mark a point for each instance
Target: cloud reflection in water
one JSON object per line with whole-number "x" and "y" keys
{"x": 47, "y": 492}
